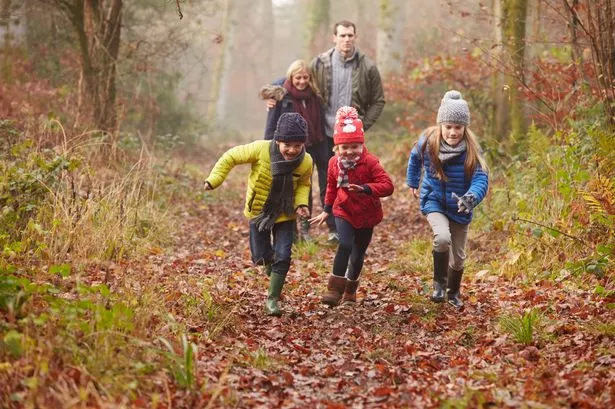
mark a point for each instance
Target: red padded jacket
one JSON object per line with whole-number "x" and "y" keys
{"x": 362, "y": 210}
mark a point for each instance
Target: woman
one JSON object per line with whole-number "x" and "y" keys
{"x": 298, "y": 93}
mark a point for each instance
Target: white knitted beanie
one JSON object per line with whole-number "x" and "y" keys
{"x": 454, "y": 108}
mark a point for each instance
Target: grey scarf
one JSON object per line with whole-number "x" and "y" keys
{"x": 281, "y": 197}
{"x": 448, "y": 152}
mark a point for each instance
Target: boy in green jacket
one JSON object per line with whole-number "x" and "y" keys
{"x": 278, "y": 191}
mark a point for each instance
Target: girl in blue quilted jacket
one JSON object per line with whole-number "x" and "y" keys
{"x": 454, "y": 182}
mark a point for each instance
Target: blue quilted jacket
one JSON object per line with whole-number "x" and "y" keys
{"x": 436, "y": 195}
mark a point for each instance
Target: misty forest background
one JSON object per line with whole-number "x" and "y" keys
{"x": 122, "y": 284}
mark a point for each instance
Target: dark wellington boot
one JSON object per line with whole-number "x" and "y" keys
{"x": 350, "y": 295}
{"x": 440, "y": 269}
{"x": 453, "y": 294}
{"x": 335, "y": 288}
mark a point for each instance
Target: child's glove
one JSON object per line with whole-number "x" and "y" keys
{"x": 465, "y": 203}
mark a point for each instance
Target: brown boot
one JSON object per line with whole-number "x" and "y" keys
{"x": 350, "y": 295}
{"x": 335, "y": 289}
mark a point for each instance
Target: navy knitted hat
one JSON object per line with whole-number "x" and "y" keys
{"x": 454, "y": 108}
{"x": 291, "y": 128}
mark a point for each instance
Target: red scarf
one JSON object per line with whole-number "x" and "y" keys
{"x": 307, "y": 104}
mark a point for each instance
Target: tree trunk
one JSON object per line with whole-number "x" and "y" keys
{"x": 12, "y": 23}
{"x": 5, "y": 23}
{"x": 596, "y": 20}
{"x": 573, "y": 26}
{"x": 104, "y": 36}
{"x": 239, "y": 93}
{"x": 216, "y": 104}
{"x": 602, "y": 32}
{"x": 266, "y": 38}
{"x": 97, "y": 24}
{"x": 390, "y": 38}
{"x": 513, "y": 25}
{"x": 317, "y": 27}
{"x": 500, "y": 88}
{"x": 360, "y": 16}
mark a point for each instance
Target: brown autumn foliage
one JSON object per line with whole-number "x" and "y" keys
{"x": 393, "y": 349}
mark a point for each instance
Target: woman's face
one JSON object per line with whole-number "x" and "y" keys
{"x": 301, "y": 80}
{"x": 452, "y": 133}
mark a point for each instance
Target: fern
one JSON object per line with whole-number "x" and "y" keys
{"x": 594, "y": 204}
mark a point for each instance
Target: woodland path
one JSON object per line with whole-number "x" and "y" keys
{"x": 392, "y": 349}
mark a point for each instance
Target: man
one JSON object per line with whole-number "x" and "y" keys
{"x": 346, "y": 77}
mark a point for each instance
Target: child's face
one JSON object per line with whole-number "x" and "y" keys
{"x": 290, "y": 150}
{"x": 452, "y": 133}
{"x": 349, "y": 150}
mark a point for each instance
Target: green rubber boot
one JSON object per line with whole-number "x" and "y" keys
{"x": 276, "y": 282}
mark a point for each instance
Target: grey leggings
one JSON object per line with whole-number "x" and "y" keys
{"x": 449, "y": 236}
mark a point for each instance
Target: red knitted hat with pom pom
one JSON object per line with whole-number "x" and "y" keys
{"x": 348, "y": 127}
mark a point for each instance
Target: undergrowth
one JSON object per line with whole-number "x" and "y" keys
{"x": 74, "y": 322}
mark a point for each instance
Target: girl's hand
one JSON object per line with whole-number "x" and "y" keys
{"x": 303, "y": 212}
{"x": 354, "y": 188}
{"x": 270, "y": 103}
{"x": 208, "y": 186}
{"x": 415, "y": 192}
{"x": 465, "y": 203}
{"x": 318, "y": 220}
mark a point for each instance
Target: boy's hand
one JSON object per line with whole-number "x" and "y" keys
{"x": 208, "y": 186}
{"x": 354, "y": 188}
{"x": 318, "y": 220}
{"x": 303, "y": 212}
{"x": 415, "y": 192}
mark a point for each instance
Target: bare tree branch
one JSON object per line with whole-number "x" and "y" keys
{"x": 179, "y": 10}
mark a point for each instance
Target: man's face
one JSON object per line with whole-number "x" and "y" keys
{"x": 350, "y": 150}
{"x": 452, "y": 133}
{"x": 290, "y": 150}
{"x": 344, "y": 40}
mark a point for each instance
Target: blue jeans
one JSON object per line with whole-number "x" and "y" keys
{"x": 351, "y": 250}
{"x": 278, "y": 254}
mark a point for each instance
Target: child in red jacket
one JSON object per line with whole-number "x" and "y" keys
{"x": 355, "y": 182}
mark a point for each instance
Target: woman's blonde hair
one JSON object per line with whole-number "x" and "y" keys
{"x": 300, "y": 65}
{"x": 473, "y": 152}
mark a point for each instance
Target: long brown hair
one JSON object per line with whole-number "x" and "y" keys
{"x": 301, "y": 65}
{"x": 473, "y": 153}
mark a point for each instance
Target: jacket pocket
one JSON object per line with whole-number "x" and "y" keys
{"x": 371, "y": 207}
{"x": 342, "y": 199}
